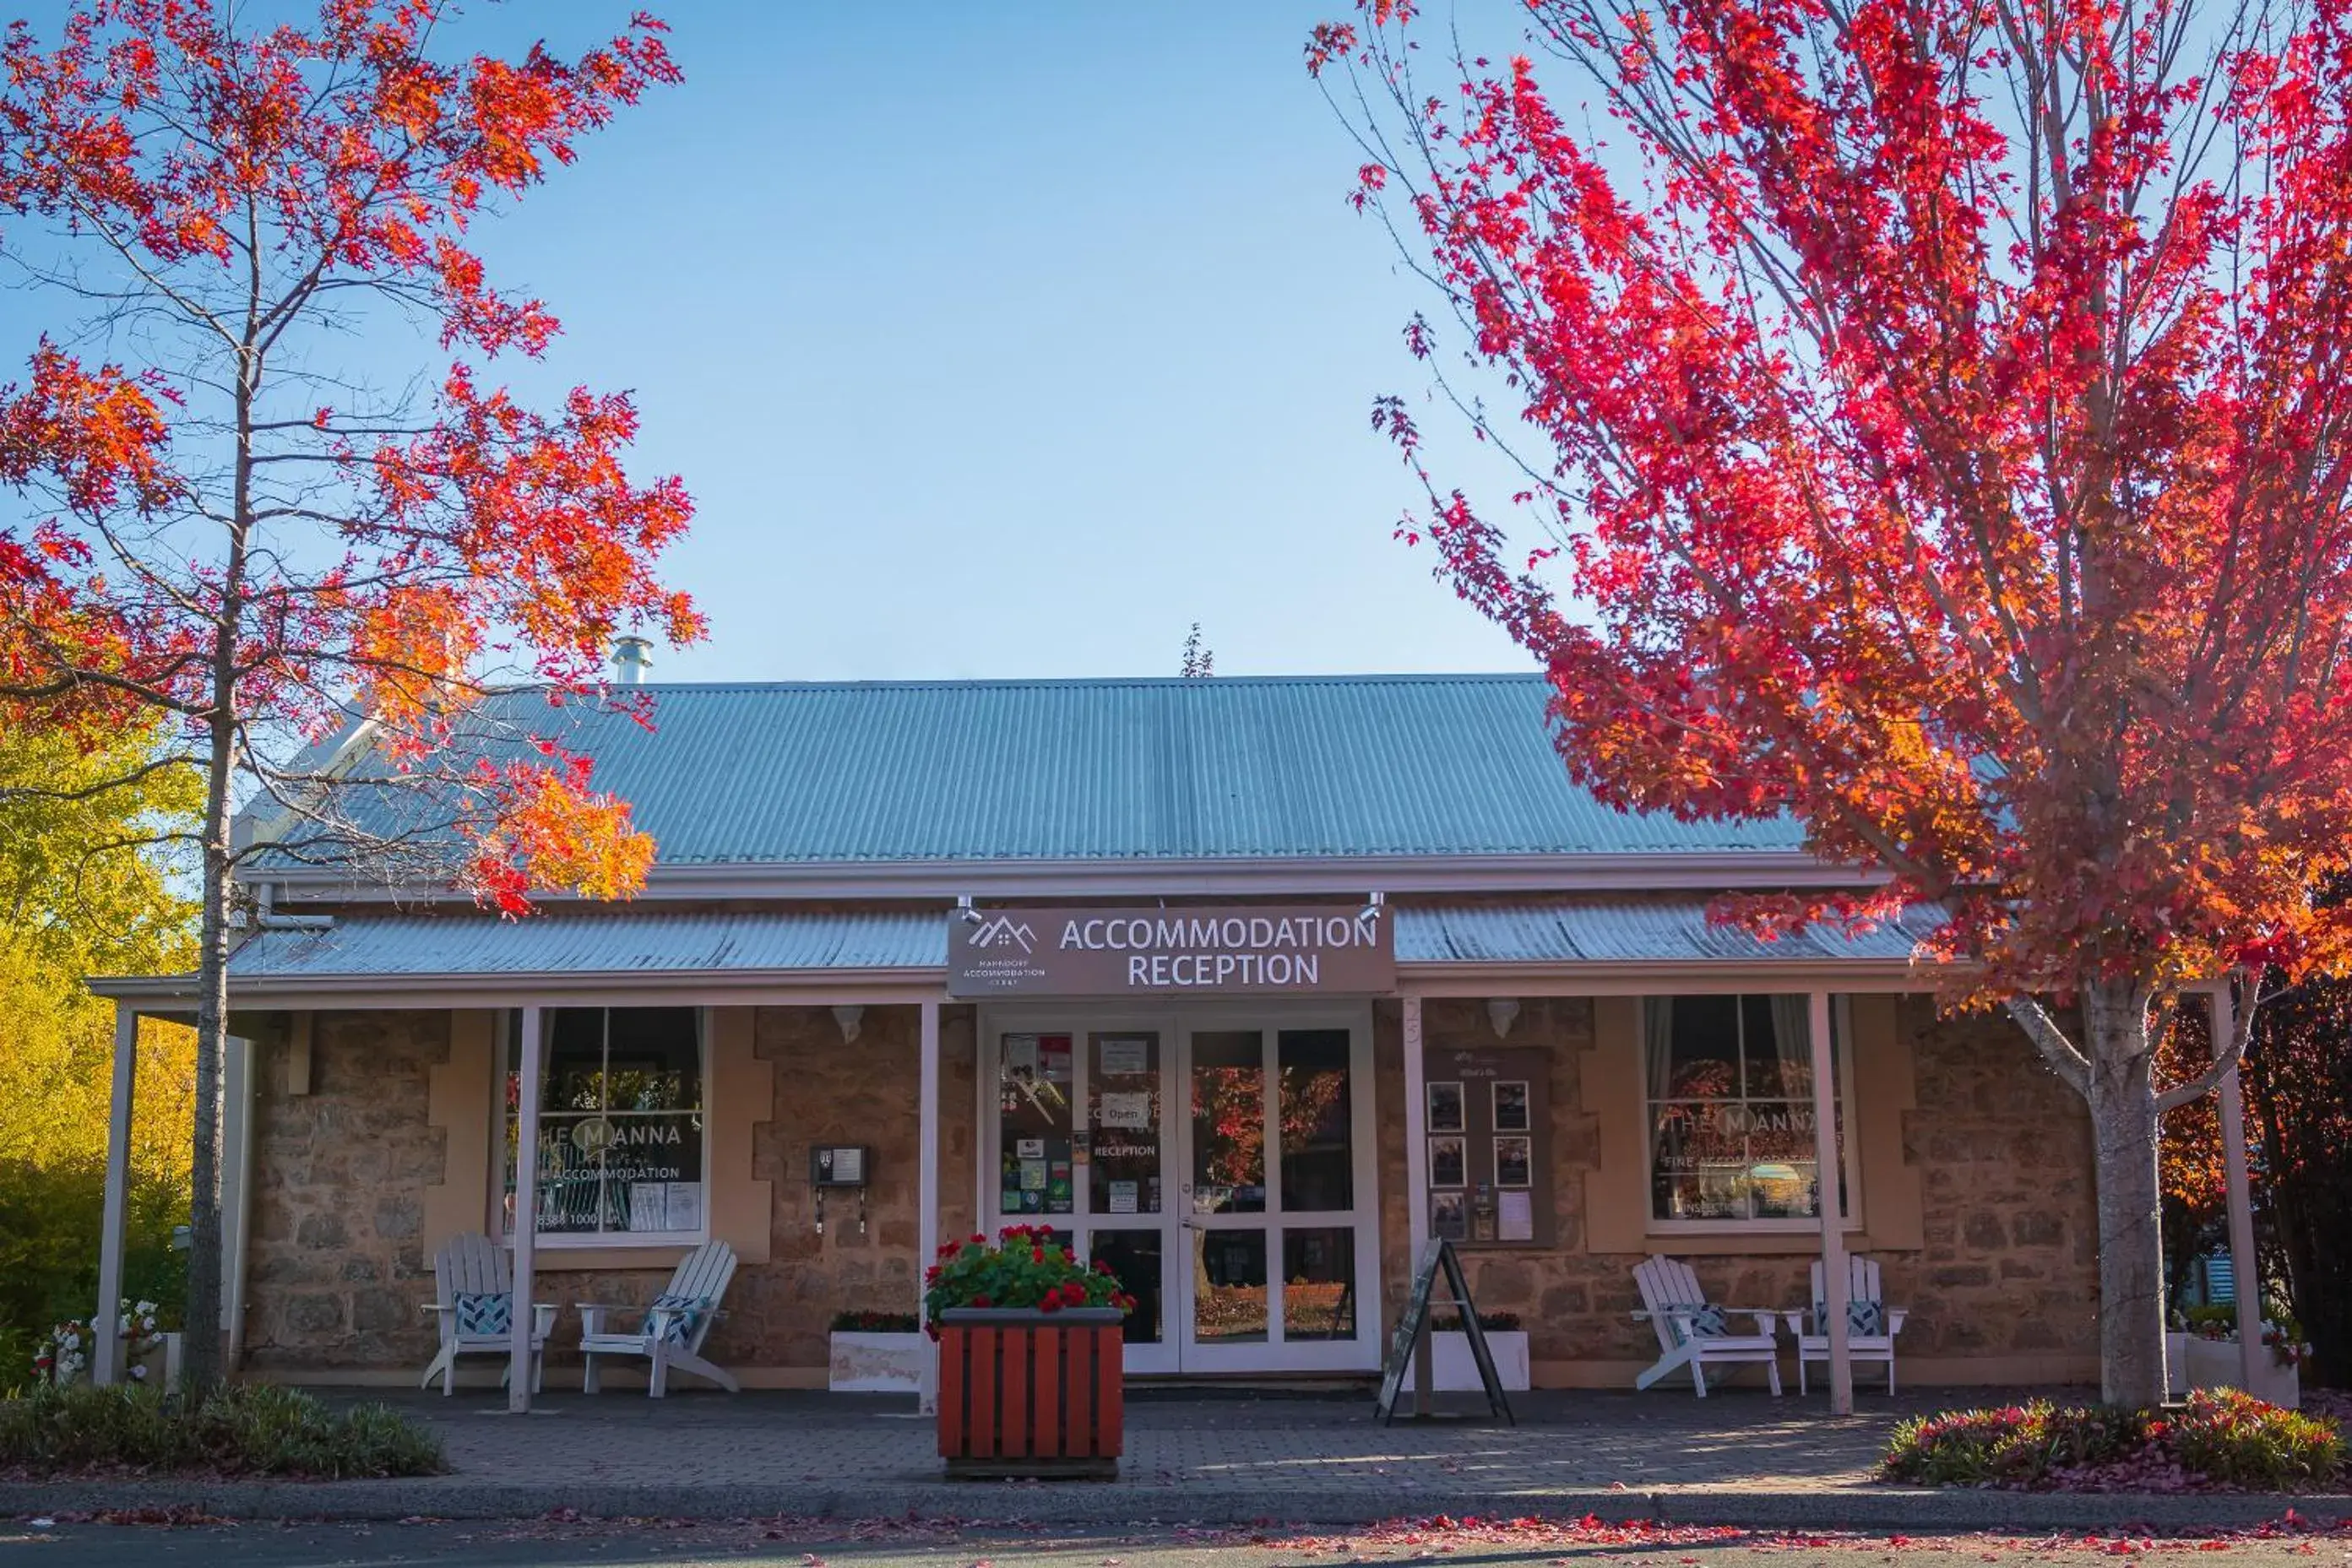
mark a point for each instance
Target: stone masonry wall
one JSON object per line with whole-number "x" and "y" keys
{"x": 2009, "y": 1265}
{"x": 828, "y": 1091}
{"x": 2008, "y": 1269}
{"x": 337, "y": 1268}
{"x": 1575, "y": 1307}
{"x": 2009, "y": 1212}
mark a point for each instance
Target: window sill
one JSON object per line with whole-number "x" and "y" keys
{"x": 576, "y": 1255}
{"x": 1740, "y": 1227}
{"x": 1696, "y": 1239}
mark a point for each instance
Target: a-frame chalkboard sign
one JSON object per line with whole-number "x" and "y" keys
{"x": 1412, "y": 1332}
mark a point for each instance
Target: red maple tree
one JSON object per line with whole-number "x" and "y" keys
{"x": 225, "y": 528}
{"x": 1933, "y": 416}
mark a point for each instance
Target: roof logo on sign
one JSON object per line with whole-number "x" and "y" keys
{"x": 1004, "y": 932}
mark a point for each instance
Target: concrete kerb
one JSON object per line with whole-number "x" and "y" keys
{"x": 1139, "y": 1507}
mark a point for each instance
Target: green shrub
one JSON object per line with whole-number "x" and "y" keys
{"x": 243, "y": 1428}
{"x": 1492, "y": 1322}
{"x": 871, "y": 1322}
{"x": 2222, "y": 1437}
{"x": 2232, "y": 1437}
{"x": 2220, "y": 1321}
{"x": 48, "y": 1254}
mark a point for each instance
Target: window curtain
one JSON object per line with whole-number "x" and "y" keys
{"x": 1792, "y": 1042}
{"x": 1663, "y": 1139}
{"x": 1658, "y": 1040}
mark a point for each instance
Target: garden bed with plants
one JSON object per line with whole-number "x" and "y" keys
{"x": 241, "y": 1429}
{"x": 2220, "y": 1440}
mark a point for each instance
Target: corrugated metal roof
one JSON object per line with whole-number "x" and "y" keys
{"x": 1230, "y": 768}
{"x": 1630, "y": 931}
{"x": 651, "y": 941}
{"x": 645, "y": 941}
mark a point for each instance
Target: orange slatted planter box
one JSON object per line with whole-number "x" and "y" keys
{"x": 1026, "y": 1393}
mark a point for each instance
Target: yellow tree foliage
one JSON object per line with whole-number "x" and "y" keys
{"x": 86, "y": 889}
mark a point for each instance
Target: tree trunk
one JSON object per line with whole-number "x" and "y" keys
{"x": 202, "y": 1358}
{"x": 2124, "y": 1127}
{"x": 201, "y": 1362}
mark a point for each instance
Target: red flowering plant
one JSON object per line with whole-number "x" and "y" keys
{"x": 1026, "y": 1268}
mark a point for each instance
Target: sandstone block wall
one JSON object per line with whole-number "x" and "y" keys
{"x": 2009, "y": 1271}
{"x": 337, "y": 1267}
{"x": 2006, "y": 1275}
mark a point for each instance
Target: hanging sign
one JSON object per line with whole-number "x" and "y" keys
{"x": 1229, "y": 950}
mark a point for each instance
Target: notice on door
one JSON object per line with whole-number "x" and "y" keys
{"x": 1132, "y": 1110}
{"x": 1124, "y": 1058}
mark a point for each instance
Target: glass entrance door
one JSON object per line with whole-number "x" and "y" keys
{"x": 1128, "y": 1212}
{"x": 1223, "y": 1172}
{"x": 1277, "y": 1205}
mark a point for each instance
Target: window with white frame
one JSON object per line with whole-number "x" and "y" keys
{"x": 621, "y": 1150}
{"x": 1728, "y": 1081}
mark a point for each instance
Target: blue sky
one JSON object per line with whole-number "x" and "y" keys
{"x": 993, "y": 339}
{"x": 1001, "y": 340}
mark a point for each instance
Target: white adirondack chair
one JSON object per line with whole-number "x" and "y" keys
{"x": 1813, "y": 1336}
{"x": 1692, "y": 1330}
{"x": 476, "y": 1266}
{"x": 674, "y": 1327}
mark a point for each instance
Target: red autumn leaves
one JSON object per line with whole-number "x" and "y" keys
{"x": 1968, "y": 489}
{"x": 214, "y": 545}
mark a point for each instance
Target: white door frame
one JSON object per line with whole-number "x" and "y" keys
{"x": 1175, "y": 1025}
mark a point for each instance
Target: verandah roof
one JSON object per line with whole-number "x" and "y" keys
{"x": 417, "y": 946}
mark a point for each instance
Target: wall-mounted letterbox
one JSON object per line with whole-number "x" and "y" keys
{"x": 845, "y": 1165}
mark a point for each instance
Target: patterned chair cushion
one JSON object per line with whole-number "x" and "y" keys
{"x": 1864, "y": 1319}
{"x": 688, "y": 1311}
{"x": 1699, "y": 1319}
{"x": 484, "y": 1314}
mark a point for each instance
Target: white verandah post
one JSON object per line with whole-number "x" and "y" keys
{"x": 2245, "y": 1268}
{"x": 522, "y": 1232}
{"x": 927, "y": 1178}
{"x": 1416, "y": 1159}
{"x": 106, "y": 1344}
{"x": 1830, "y": 1180}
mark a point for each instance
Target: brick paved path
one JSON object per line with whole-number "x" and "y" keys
{"x": 1564, "y": 1442}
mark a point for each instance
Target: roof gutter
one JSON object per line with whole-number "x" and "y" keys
{"x": 1425, "y": 976}
{"x": 1712, "y": 871}
{"x": 333, "y": 989}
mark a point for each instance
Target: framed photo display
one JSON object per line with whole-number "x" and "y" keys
{"x": 1515, "y": 1161}
{"x": 1449, "y": 1163}
{"x": 1489, "y": 1127}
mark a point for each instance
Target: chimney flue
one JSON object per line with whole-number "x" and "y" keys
{"x": 631, "y": 658}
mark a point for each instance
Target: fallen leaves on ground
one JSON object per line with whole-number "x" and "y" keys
{"x": 1384, "y": 1545}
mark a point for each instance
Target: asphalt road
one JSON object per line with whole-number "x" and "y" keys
{"x": 72, "y": 1544}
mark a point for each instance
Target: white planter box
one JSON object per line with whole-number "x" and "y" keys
{"x": 160, "y": 1365}
{"x": 2213, "y": 1363}
{"x": 1455, "y": 1369}
{"x": 876, "y": 1363}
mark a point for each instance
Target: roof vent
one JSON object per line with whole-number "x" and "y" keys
{"x": 632, "y": 656}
